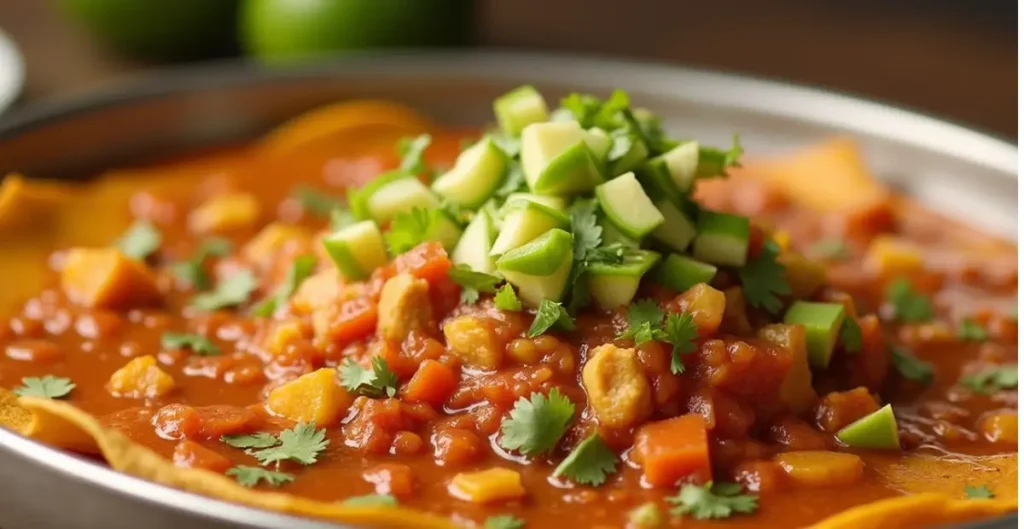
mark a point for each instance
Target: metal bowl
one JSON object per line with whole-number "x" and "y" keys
{"x": 966, "y": 175}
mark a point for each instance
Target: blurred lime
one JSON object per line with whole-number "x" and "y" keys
{"x": 159, "y": 29}
{"x": 278, "y": 30}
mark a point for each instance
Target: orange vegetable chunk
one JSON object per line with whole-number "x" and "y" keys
{"x": 673, "y": 449}
{"x": 106, "y": 278}
{"x": 432, "y": 383}
{"x": 190, "y": 454}
{"x": 140, "y": 378}
{"x": 314, "y": 397}
{"x": 820, "y": 468}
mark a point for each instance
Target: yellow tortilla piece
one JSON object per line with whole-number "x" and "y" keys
{"x": 916, "y": 511}
{"x": 42, "y": 426}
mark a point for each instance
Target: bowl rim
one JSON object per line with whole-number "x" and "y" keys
{"x": 774, "y": 98}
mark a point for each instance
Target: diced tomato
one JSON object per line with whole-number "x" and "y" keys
{"x": 444, "y": 295}
{"x": 433, "y": 383}
{"x": 391, "y": 478}
{"x": 191, "y": 454}
{"x": 356, "y": 320}
{"x": 427, "y": 261}
{"x": 674, "y": 449}
{"x": 218, "y": 420}
{"x": 456, "y": 446}
{"x": 177, "y": 421}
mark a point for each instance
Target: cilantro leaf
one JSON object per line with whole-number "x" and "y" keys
{"x": 550, "y": 314}
{"x": 374, "y": 383}
{"x": 991, "y": 379}
{"x": 851, "y": 335}
{"x": 579, "y": 294}
{"x": 681, "y": 332}
{"x": 589, "y": 463}
{"x": 301, "y": 444}
{"x": 192, "y": 270}
{"x": 716, "y": 162}
{"x": 251, "y": 476}
{"x": 908, "y": 305}
{"x": 198, "y": 343}
{"x": 317, "y": 202}
{"x": 829, "y": 249}
{"x": 506, "y": 299}
{"x": 473, "y": 282}
{"x": 910, "y": 367}
{"x": 591, "y": 111}
{"x": 254, "y": 440}
{"x": 586, "y": 233}
{"x": 969, "y": 331}
{"x": 764, "y": 280}
{"x": 535, "y": 425}
{"x": 644, "y": 318}
{"x": 514, "y": 181}
{"x": 300, "y": 269}
{"x": 234, "y": 290}
{"x": 711, "y": 502}
{"x": 980, "y": 492}
{"x": 411, "y": 151}
{"x": 371, "y": 500}
{"x": 503, "y": 521}
{"x": 47, "y": 387}
{"x": 141, "y": 240}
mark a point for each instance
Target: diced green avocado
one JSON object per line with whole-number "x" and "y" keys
{"x": 599, "y": 142}
{"x": 722, "y": 239}
{"x": 546, "y": 200}
{"x": 679, "y": 164}
{"x": 679, "y": 272}
{"x": 524, "y": 222}
{"x": 445, "y": 229}
{"x": 358, "y": 199}
{"x": 678, "y": 231}
{"x": 540, "y": 268}
{"x": 877, "y": 430}
{"x": 519, "y": 108}
{"x": 627, "y": 206}
{"x": 614, "y": 285}
{"x": 474, "y": 247}
{"x": 612, "y": 235}
{"x": 557, "y": 159}
{"x": 357, "y": 250}
{"x": 657, "y": 183}
{"x": 822, "y": 322}
{"x": 478, "y": 171}
{"x": 628, "y": 153}
{"x": 399, "y": 196}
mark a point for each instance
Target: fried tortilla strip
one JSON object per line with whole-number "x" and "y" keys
{"x": 42, "y": 426}
{"x": 125, "y": 455}
{"x": 918, "y": 511}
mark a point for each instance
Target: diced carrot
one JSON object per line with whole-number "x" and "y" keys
{"x": 190, "y": 454}
{"x": 427, "y": 261}
{"x": 432, "y": 383}
{"x": 674, "y": 449}
{"x": 356, "y": 320}
{"x": 220, "y": 419}
{"x": 105, "y": 277}
{"x": 177, "y": 421}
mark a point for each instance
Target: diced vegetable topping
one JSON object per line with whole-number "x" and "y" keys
{"x": 234, "y": 290}
{"x": 907, "y": 304}
{"x": 252, "y": 476}
{"x": 991, "y": 379}
{"x": 910, "y": 367}
{"x": 198, "y": 343}
{"x": 722, "y": 239}
{"x": 375, "y": 382}
{"x": 141, "y": 240}
{"x": 357, "y": 249}
{"x": 979, "y": 492}
{"x": 477, "y": 173}
{"x": 679, "y": 272}
{"x": 627, "y": 207}
{"x": 877, "y": 430}
{"x": 301, "y": 444}
{"x": 519, "y": 108}
{"x": 822, "y": 322}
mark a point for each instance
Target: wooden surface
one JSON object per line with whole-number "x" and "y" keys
{"x": 942, "y": 57}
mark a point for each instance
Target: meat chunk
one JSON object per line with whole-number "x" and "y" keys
{"x": 140, "y": 378}
{"x": 106, "y": 278}
{"x": 616, "y": 387}
{"x": 473, "y": 340}
{"x": 314, "y": 397}
{"x": 404, "y": 307}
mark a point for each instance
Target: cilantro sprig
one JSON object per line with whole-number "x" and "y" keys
{"x": 198, "y": 343}
{"x": 851, "y": 336}
{"x": 317, "y": 202}
{"x": 550, "y": 314}
{"x": 140, "y": 241}
{"x": 193, "y": 270}
{"x": 970, "y": 331}
{"x": 991, "y": 379}
{"x": 298, "y": 272}
{"x": 371, "y": 500}
{"x": 254, "y": 440}
{"x": 301, "y": 444}
{"x": 473, "y": 282}
{"x": 647, "y": 322}
{"x": 589, "y": 463}
{"x": 980, "y": 492}
{"x": 376, "y": 382}
{"x": 234, "y": 290}
{"x": 506, "y": 299}
{"x": 503, "y": 521}
{"x": 712, "y": 501}
{"x": 907, "y": 304}
{"x": 764, "y": 279}
{"x": 411, "y": 228}
{"x": 910, "y": 367}
{"x": 535, "y": 425}
{"x": 251, "y": 476}
{"x": 47, "y": 387}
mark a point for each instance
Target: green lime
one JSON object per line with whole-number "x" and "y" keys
{"x": 278, "y": 30}
{"x": 159, "y": 29}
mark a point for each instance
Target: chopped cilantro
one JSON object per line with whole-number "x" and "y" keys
{"x": 317, "y": 202}
{"x": 710, "y": 502}
{"x": 586, "y": 233}
{"x": 47, "y": 387}
{"x": 509, "y": 143}
{"x": 536, "y": 424}
{"x": 716, "y": 162}
{"x": 980, "y": 492}
{"x": 411, "y": 150}
{"x": 764, "y": 279}
{"x": 410, "y": 228}
{"x": 589, "y": 463}
{"x": 375, "y": 382}
{"x": 254, "y": 440}
{"x": 515, "y": 181}
{"x": 234, "y": 290}
{"x": 851, "y": 335}
{"x": 301, "y": 444}
{"x": 192, "y": 270}
{"x": 910, "y": 367}
{"x": 829, "y": 249}
{"x": 991, "y": 379}
{"x": 473, "y": 282}
{"x": 681, "y": 332}
{"x": 644, "y": 318}
{"x": 590, "y": 111}
{"x": 251, "y": 476}
{"x": 506, "y": 299}
{"x": 503, "y": 521}
{"x": 647, "y": 322}
{"x": 198, "y": 343}
{"x": 371, "y": 500}
{"x": 141, "y": 240}
{"x": 550, "y": 314}
{"x": 908, "y": 305}
{"x": 300, "y": 269}
{"x": 969, "y": 331}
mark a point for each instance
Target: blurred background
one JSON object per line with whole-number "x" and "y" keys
{"x": 953, "y": 58}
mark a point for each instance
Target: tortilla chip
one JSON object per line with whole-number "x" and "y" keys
{"x": 43, "y": 426}
{"x": 916, "y": 511}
